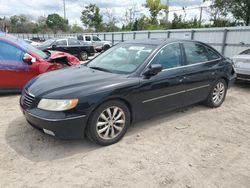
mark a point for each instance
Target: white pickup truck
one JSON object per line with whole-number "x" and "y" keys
{"x": 98, "y": 44}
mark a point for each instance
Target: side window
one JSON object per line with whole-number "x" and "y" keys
{"x": 73, "y": 41}
{"x": 11, "y": 57}
{"x": 195, "y": 53}
{"x": 212, "y": 55}
{"x": 61, "y": 43}
{"x": 95, "y": 38}
{"x": 87, "y": 38}
{"x": 169, "y": 56}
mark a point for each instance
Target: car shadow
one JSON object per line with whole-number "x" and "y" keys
{"x": 37, "y": 146}
{"x": 242, "y": 84}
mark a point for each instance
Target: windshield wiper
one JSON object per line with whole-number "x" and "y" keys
{"x": 101, "y": 69}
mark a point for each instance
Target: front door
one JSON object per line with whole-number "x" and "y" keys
{"x": 13, "y": 71}
{"x": 164, "y": 91}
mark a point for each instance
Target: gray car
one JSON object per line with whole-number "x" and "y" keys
{"x": 242, "y": 65}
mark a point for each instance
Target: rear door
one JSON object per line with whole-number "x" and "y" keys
{"x": 13, "y": 71}
{"x": 202, "y": 66}
{"x": 164, "y": 91}
{"x": 61, "y": 45}
{"x": 74, "y": 47}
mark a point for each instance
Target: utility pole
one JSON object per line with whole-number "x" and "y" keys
{"x": 167, "y": 12}
{"x": 64, "y": 10}
{"x": 201, "y": 12}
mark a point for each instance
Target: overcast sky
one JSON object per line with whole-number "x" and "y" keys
{"x": 36, "y": 8}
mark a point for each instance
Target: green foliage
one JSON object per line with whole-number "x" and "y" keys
{"x": 155, "y": 7}
{"x": 91, "y": 17}
{"x": 56, "y": 23}
{"x": 22, "y": 24}
{"x": 221, "y": 11}
{"x": 239, "y": 9}
{"x": 76, "y": 29}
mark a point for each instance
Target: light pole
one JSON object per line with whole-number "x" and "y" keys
{"x": 64, "y": 10}
{"x": 167, "y": 12}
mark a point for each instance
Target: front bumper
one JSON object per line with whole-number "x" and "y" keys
{"x": 63, "y": 128}
{"x": 243, "y": 74}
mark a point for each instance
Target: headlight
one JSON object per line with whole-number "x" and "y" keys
{"x": 57, "y": 105}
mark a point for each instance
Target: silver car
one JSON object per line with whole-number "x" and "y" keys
{"x": 242, "y": 65}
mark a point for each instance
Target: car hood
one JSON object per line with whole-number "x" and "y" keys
{"x": 75, "y": 82}
{"x": 241, "y": 57}
{"x": 59, "y": 55}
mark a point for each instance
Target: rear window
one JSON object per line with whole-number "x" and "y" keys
{"x": 246, "y": 52}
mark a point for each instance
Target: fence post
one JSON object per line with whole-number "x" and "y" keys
{"x": 122, "y": 37}
{"x": 149, "y": 34}
{"x": 104, "y": 36}
{"x": 134, "y": 36}
{"x": 224, "y": 42}
{"x": 112, "y": 39}
{"x": 168, "y": 34}
{"x": 192, "y": 34}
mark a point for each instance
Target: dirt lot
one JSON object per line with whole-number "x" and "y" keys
{"x": 194, "y": 147}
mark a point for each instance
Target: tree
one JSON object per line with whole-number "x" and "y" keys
{"x": 239, "y": 9}
{"x": 110, "y": 25}
{"x": 155, "y": 7}
{"x": 22, "y": 24}
{"x": 56, "y": 23}
{"x": 76, "y": 29}
{"x": 41, "y": 24}
{"x": 91, "y": 17}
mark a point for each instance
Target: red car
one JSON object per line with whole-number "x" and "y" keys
{"x": 19, "y": 62}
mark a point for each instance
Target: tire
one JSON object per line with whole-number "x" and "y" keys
{"x": 83, "y": 56}
{"x": 106, "y": 47}
{"x": 219, "y": 89}
{"x": 109, "y": 131}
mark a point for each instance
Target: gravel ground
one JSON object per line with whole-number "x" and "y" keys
{"x": 192, "y": 147}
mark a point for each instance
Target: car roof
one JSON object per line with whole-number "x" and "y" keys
{"x": 157, "y": 42}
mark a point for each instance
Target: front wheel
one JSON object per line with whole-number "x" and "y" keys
{"x": 109, "y": 123}
{"x": 217, "y": 94}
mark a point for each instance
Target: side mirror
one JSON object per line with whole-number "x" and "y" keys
{"x": 152, "y": 70}
{"x": 53, "y": 46}
{"x": 28, "y": 59}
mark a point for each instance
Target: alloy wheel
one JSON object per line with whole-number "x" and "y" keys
{"x": 218, "y": 93}
{"x": 110, "y": 123}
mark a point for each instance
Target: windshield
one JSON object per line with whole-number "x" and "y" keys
{"x": 48, "y": 42}
{"x": 124, "y": 59}
{"x": 32, "y": 49}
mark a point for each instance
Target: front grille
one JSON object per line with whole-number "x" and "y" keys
{"x": 27, "y": 99}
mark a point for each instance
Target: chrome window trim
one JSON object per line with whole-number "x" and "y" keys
{"x": 182, "y": 66}
{"x": 176, "y": 93}
{"x": 54, "y": 120}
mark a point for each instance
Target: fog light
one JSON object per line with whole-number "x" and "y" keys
{"x": 48, "y": 132}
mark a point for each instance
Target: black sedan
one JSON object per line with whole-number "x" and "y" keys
{"x": 69, "y": 45}
{"x": 129, "y": 82}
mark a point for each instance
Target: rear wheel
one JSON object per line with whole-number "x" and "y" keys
{"x": 106, "y": 47}
{"x": 83, "y": 56}
{"x": 217, "y": 94}
{"x": 109, "y": 123}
